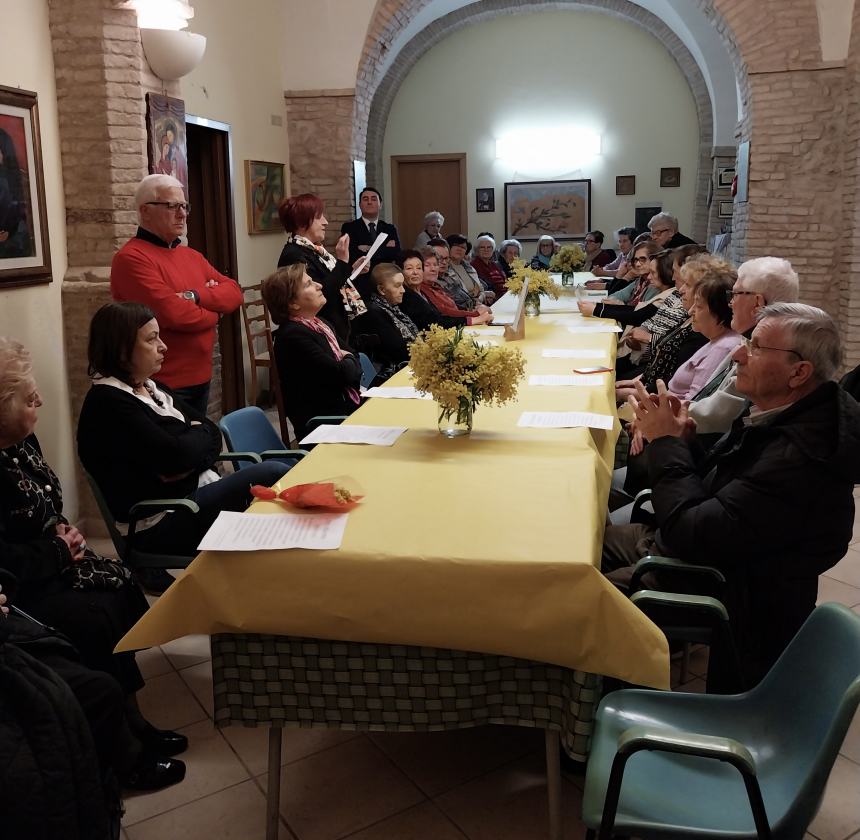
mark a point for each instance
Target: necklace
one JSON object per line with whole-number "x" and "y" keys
{"x": 151, "y": 392}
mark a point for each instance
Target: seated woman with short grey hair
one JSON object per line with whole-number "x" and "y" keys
{"x": 486, "y": 268}
{"x": 509, "y": 250}
{"x": 433, "y": 222}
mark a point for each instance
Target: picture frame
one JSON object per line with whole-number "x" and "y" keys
{"x": 561, "y": 209}
{"x": 485, "y": 200}
{"x": 625, "y": 185}
{"x": 725, "y": 208}
{"x": 644, "y": 213}
{"x": 725, "y": 176}
{"x": 264, "y": 191}
{"x": 25, "y": 254}
{"x": 166, "y": 142}
{"x": 670, "y": 176}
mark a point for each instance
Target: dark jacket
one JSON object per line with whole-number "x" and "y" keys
{"x": 130, "y": 450}
{"x": 360, "y": 235}
{"x": 313, "y": 381}
{"x": 424, "y": 314}
{"x": 772, "y": 506}
{"x": 332, "y": 281}
{"x": 678, "y": 240}
{"x": 392, "y": 348}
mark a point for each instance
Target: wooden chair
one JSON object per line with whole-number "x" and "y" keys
{"x": 261, "y": 350}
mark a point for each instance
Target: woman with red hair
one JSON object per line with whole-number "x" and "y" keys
{"x": 303, "y": 220}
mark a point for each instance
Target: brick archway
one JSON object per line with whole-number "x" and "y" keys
{"x": 375, "y": 91}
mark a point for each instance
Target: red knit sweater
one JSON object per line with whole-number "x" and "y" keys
{"x": 152, "y": 274}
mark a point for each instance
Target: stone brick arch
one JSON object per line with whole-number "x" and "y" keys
{"x": 375, "y": 91}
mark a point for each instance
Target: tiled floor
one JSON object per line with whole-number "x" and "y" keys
{"x": 482, "y": 784}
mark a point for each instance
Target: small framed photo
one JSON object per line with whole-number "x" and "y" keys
{"x": 670, "y": 176}
{"x": 625, "y": 185}
{"x": 485, "y": 200}
{"x": 725, "y": 176}
{"x": 25, "y": 255}
{"x": 264, "y": 190}
{"x": 725, "y": 209}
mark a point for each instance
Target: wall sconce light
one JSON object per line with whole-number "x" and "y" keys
{"x": 555, "y": 147}
{"x": 171, "y": 52}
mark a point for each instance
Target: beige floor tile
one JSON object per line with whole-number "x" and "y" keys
{"x": 840, "y": 811}
{"x": 511, "y": 804}
{"x": 153, "y": 663}
{"x": 439, "y": 761}
{"x": 342, "y": 790}
{"x": 237, "y": 813}
{"x": 168, "y": 703}
{"x": 830, "y": 589}
{"x": 199, "y": 679}
{"x": 211, "y": 766}
{"x": 252, "y": 744}
{"x": 187, "y": 651}
{"x": 851, "y": 744}
{"x": 423, "y": 822}
{"x": 847, "y": 570}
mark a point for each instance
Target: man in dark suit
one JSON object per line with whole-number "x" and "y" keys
{"x": 364, "y": 230}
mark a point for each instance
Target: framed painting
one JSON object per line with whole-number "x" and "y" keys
{"x": 485, "y": 200}
{"x": 625, "y": 185}
{"x": 670, "y": 176}
{"x": 725, "y": 176}
{"x": 166, "y": 141}
{"x": 25, "y": 255}
{"x": 644, "y": 213}
{"x": 264, "y": 191}
{"x": 725, "y": 209}
{"x": 561, "y": 209}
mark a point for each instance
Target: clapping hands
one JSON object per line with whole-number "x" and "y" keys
{"x": 659, "y": 415}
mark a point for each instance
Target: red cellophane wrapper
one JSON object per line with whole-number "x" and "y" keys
{"x": 335, "y": 494}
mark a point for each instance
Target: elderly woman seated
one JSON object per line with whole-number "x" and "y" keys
{"x": 140, "y": 442}
{"x": 433, "y": 222}
{"x": 385, "y": 320}
{"x": 424, "y": 299}
{"x": 448, "y": 281}
{"x": 596, "y": 255}
{"x": 58, "y": 579}
{"x": 486, "y": 268}
{"x": 463, "y": 273}
{"x": 509, "y": 250}
{"x": 319, "y": 374}
{"x": 546, "y": 247}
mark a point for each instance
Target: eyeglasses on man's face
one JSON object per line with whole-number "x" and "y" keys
{"x": 172, "y": 206}
{"x": 753, "y": 348}
{"x": 659, "y": 231}
{"x": 731, "y": 294}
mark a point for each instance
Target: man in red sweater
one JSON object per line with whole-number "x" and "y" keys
{"x": 186, "y": 293}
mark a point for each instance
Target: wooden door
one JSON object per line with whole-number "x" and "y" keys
{"x": 212, "y": 232}
{"x": 421, "y": 183}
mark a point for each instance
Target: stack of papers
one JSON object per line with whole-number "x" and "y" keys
{"x": 233, "y": 531}
{"x": 374, "y": 435}
{"x": 565, "y": 420}
{"x": 406, "y": 392}
{"x": 580, "y": 380}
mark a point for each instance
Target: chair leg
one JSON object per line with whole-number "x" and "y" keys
{"x": 273, "y": 792}
{"x": 553, "y": 782}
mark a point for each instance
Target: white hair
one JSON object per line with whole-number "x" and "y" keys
{"x": 435, "y": 215}
{"x": 668, "y": 218}
{"x": 772, "y": 277}
{"x": 15, "y": 369}
{"x": 148, "y": 188}
{"x": 814, "y": 335}
{"x": 508, "y": 242}
{"x": 485, "y": 237}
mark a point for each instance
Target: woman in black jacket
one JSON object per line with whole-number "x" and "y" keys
{"x": 319, "y": 373}
{"x": 139, "y": 442}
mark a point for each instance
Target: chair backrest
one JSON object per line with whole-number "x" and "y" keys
{"x": 368, "y": 371}
{"x": 118, "y": 539}
{"x": 249, "y": 430}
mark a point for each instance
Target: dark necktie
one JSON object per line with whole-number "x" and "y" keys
{"x": 372, "y": 229}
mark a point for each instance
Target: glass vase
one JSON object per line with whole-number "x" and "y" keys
{"x": 458, "y": 422}
{"x": 532, "y": 304}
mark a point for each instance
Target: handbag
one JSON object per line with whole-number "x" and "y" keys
{"x": 95, "y": 573}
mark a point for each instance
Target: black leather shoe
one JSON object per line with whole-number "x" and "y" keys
{"x": 154, "y": 773}
{"x": 162, "y": 741}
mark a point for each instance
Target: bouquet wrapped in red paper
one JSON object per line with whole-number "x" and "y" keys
{"x": 336, "y": 495}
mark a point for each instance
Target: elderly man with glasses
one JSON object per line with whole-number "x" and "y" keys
{"x": 664, "y": 231}
{"x": 772, "y": 503}
{"x": 186, "y": 293}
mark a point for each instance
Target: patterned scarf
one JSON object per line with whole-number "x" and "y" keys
{"x": 401, "y": 320}
{"x": 639, "y": 289}
{"x": 321, "y": 327}
{"x": 329, "y": 260}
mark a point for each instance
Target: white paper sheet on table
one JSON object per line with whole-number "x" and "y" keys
{"x": 594, "y": 328}
{"x": 565, "y": 419}
{"x": 554, "y": 379}
{"x": 373, "y": 435}
{"x": 572, "y": 353}
{"x": 405, "y": 392}
{"x": 482, "y": 332}
{"x": 233, "y": 531}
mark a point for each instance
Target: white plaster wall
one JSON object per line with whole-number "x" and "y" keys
{"x": 33, "y": 314}
{"x": 541, "y": 71}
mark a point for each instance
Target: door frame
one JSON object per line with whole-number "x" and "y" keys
{"x": 396, "y": 160}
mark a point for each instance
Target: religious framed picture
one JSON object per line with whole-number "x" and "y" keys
{"x": 725, "y": 209}
{"x": 725, "y": 176}
{"x": 625, "y": 185}
{"x": 561, "y": 209}
{"x": 264, "y": 191}
{"x": 485, "y": 200}
{"x": 670, "y": 176}
{"x": 165, "y": 129}
{"x": 25, "y": 255}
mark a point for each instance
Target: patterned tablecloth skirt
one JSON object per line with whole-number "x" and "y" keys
{"x": 262, "y": 680}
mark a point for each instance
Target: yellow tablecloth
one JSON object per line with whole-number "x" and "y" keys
{"x": 488, "y": 543}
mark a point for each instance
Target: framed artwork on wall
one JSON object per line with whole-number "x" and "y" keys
{"x": 485, "y": 200}
{"x": 670, "y": 176}
{"x": 625, "y": 185}
{"x": 725, "y": 209}
{"x": 559, "y": 208}
{"x": 725, "y": 176}
{"x": 166, "y": 141}
{"x": 264, "y": 190}
{"x": 25, "y": 255}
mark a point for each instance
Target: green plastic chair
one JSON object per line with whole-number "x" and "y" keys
{"x": 749, "y": 765}
{"x": 249, "y": 429}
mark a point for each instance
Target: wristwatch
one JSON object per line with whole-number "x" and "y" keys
{"x": 191, "y": 295}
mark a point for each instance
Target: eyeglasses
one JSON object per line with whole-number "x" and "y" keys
{"x": 590, "y": 240}
{"x": 752, "y": 349}
{"x": 730, "y": 294}
{"x": 639, "y": 260}
{"x": 655, "y": 231}
{"x": 172, "y": 206}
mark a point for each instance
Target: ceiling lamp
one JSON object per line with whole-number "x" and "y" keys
{"x": 170, "y": 51}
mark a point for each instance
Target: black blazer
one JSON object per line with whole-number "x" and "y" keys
{"x": 360, "y": 235}
{"x": 313, "y": 381}
{"x": 424, "y": 314}
{"x": 332, "y": 281}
